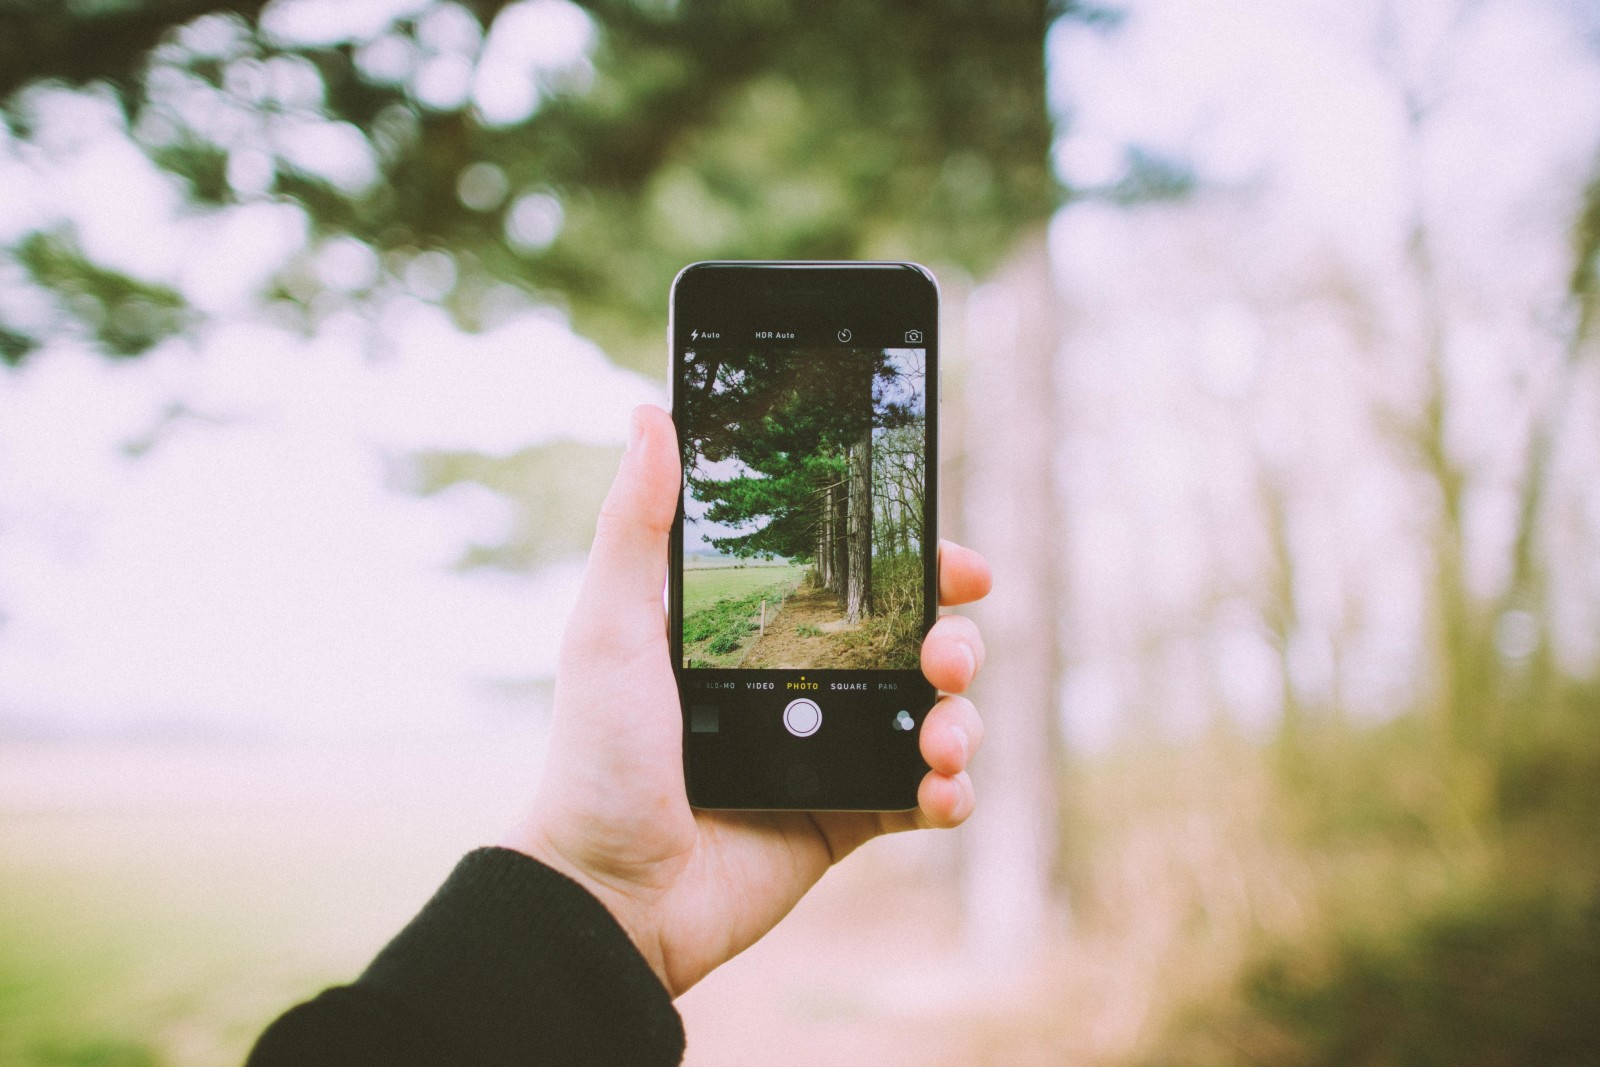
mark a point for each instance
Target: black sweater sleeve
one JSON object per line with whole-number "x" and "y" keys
{"x": 510, "y": 963}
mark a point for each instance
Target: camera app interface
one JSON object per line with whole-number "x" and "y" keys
{"x": 804, "y": 488}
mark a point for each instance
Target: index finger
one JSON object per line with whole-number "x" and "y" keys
{"x": 963, "y": 575}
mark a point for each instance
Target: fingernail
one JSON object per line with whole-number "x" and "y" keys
{"x": 972, "y": 660}
{"x": 966, "y": 746}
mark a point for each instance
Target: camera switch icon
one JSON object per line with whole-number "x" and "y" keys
{"x": 913, "y": 337}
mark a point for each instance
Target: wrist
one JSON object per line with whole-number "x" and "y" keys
{"x": 532, "y": 841}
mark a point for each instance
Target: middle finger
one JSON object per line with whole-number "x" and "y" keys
{"x": 952, "y": 653}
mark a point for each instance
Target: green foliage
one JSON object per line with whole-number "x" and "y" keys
{"x": 792, "y": 129}
{"x": 893, "y": 632}
{"x": 723, "y": 620}
{"x": 705, "y": 129}
{"x": 721, "y": 628}
{"x": 93, "y": 1053}
{"x": 1459, "y": 895}
{"x": 891, "y": 636}
{"x": 82, "y": 42}
{"x": 728, "y": 641}
{"x": 126, "y": 315}
{"x": 54, "y": 984}
{"x": 1494, "y": 983}
{"x": 202, "y": 165}
{"x": 791, "y": 427}
{"x": 15, "y": 345}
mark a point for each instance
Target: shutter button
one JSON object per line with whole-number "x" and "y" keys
{"x": 802, "y": 717}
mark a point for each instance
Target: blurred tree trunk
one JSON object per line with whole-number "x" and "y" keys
{"x": 1282, "y": 612}
{"x": 1009, "y": 511}
{"x": 1466, "y": 663}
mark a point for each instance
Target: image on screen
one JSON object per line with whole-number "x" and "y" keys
{"x": 803, "y": 507}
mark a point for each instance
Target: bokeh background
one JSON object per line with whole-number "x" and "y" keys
{"x": 1271, "y": 391}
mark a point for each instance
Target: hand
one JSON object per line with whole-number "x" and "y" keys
{"x": 695, "y": 888}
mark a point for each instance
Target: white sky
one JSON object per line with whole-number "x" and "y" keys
{"x": 264, "y": 569}
{"x": 260, "y": 567}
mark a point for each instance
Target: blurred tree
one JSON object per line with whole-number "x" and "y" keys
{"x": 690, "y": 131}
{"x": 1487, "y": 702}
{"x": 580, "y": 155}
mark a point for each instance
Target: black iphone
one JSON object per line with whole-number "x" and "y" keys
{"x": 804, "y": 557}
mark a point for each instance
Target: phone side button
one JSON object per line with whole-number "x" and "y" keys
{"x": 802, "y": 781}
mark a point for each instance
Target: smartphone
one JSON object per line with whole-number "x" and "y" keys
{"x": 804, "y": 557}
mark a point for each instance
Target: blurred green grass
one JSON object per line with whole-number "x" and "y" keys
{"x": 81, "y": 970}
{"x": 161, "y": 904}
{"x": 1233, "y": 904}
{"x": 107, "y": 967}
{"x": 1451, "y": 896}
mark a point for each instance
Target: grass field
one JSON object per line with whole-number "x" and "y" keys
{"x": 704, "y": 586}
{"x": 721, "y": 605}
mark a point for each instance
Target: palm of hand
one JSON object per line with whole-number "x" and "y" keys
{"x": 694, "y": 888}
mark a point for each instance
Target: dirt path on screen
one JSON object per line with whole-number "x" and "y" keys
{"x": 802, "y": 634}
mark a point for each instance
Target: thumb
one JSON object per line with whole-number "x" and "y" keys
{"x": 627, "y": 569}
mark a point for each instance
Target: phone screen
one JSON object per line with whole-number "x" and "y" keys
{"x": 805, "y": 551}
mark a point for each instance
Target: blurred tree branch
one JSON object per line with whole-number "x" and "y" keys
{"x": 77, "y": 43}
{"x": 708, "y": 130}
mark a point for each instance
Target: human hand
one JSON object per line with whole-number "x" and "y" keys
{"x": 695, "y": 888}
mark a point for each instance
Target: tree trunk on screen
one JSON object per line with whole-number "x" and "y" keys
{"x": 858, "y": 582}
{"x": 1010, "y": 512}
{"x": 825, "y": 541}
{"x": 838, "y": 547}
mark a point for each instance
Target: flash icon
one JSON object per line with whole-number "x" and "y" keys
{"x": 694, "y": 335}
